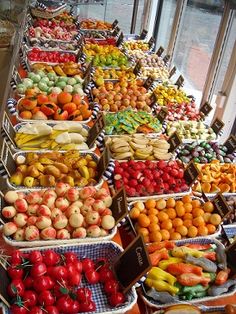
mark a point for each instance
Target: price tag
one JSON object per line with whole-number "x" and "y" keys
{"x": 231, "y": 255}
{"x": 162, "y": 114}
{"x": 5, "y": 281}
{"x": 220, "y": 206}
{"x": 132, "y": 264}
{"x": 103, "y": 163}
{"x": 224, "y": 236}
{"x": 114, "y": 23}
{"x": 8, "y": 128}
{"x": 191, "y": 173}
{"x": 206, "y": 108}
{"x": 137, "y": 68}
{"x": 7, "y": 158}
{"x": 95, "y": 130}
{"x": 160, "y": 51}
{"x": 180, "y": 81}
{"x": 151, "y": 42}
{"x": 166, "y": 58}
{"x": 174, "y": 141}
{"x": 153, "y": 99}
{"x": 217, "y": 126}
{"x": 231, "y": 144}
{"x": 120, "y": 39}
{"x": 143, "y": 35}
{"x": 172, "y": 72}
{"x": 119, "y": 206}
{"x": 148, "y": 83}
{"x": 116, "y": 31}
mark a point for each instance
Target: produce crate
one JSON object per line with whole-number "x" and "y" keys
{"x": 45, "y": 12}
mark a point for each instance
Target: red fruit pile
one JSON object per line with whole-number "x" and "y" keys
{"x": 184, "y": 111}
{"x": 50, "y": 282}
{"x": 50, "y": 56}
{"x": 143, "y": 178}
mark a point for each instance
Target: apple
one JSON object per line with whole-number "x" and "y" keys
{"x": 89, "y": 201}
{"x": 72, "y": 194}
{"x": 61, "y": 188}
{"x": 11, "y": 196}
{"x": 107, "y": 200}
{"x": 69, "y": 228}
{"x": 63, "y": 234}
{"x": 79, "y": 233}
{"x": 43, "y": 222}
{"x": 9, "y": 228}
{"x": 21, "y": 195}
{"x": 108, "y": 222}
{"x": 93, "y": 231}
{"x": 100, "y": 193}
{"x": 85, "y": 209}
{"x": 31, "y": 233}
{"x": 78, "y": 204}
{"x": 44, "y": 210}
{"x": 76, "y": 220}
{"x": 8, "y": 212}
{"x": 49, "y": 198}
{"x": 21, "y": 205}
{"x": 72, "y": 210}
{"x": 33, "y": 198}
{"x": 32, "y": 209}
{"x": 48, "y": 233}
{"x": 104, "y": 232}
{"x": 92, "y": 218}
{"x": 20, "y": 220}
{"x": 62, "y": 203}
{"x": 99, "y": 206}
{"x": 55, "y": 212}
{"x": 87, "y": 191}
{"x": 106, "y": 211}
{"x": 32, "y": 220}
{"x": 19, "y": 235}
{"x": 60, "y": 221}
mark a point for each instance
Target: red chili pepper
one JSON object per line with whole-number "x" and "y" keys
{"x": 182, "y": 268}
{"x": 192, "y": 280}
{"x": 222, "y": 277}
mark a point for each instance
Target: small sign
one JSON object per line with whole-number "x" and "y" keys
{"x": 224, "y": 236}
{"x": 160, "y": 51}
{"x": 172, "y": 72}
{"x": 148, "y": 83}
{"x": 217, "y": 126}
{"x": 95, "y": 130}
{"x": 5, "y": 281}
{"x": 103, "y": 163}
{"x": 231, "y": 144}
{"x": 153, "y": 99}
{"x": 162, "y": 114}
{"x": 174, "y": 141}
{"x": 137, "y": 68}
{"x": 143, "y": 35}
{"x": 206, "y": 108}
{"x": 220, "y": 206}
{"x": 116, "y": 31}
{"x": 88, "y": 70}
{"x": 180, "y": 81}
{"x": 132, "y": 264}
{"x": 191, "y": 173}
{"x": 166, "y": 58}
{"x": 231, "y": 255}
{"x": 7, "y": 158}
{"x": 114, "y": 23}
{"x": 151, "y": 42}
{"x": 204, "y": 197}
{"x": 119, "y": 206}
{"x": 120, "y": 39}
{"x": 87, "y": 80}
{"x": 8, "y": 128}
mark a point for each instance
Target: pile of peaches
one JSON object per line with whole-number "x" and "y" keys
{"x": 60, "y": 213}
{"x": 62, "y": 106}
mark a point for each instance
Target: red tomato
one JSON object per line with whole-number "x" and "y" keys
{"x": 43, "y": 283}
{"x": 59, "y": 273}
{"x": 88, "y": 306}
{"x": 16, "y": 287}
{"x": 35, "y": 257}
{"x": 36, "y": 310}
{"x": 15, "y": 309}
{"x": 51, "y": 309}
{"x": 51, "y": 258}
{"x": 28, "y": 282}
{"x": 64, "y": 305}
{"x": 116, "y": 299}
{"x": 87, "y": 264}
{"x": 15, "y": 273}
{"x": 46, "y": 298}
{"x": 29, "y": 298}
{"x": 16, "y": 258}
{"x": 84, "y": 294}
{"x": 71, "y": 257}
{"x": 75, "y": 279}
{"x": 111, "y": 286}
{"x": 92, "y": 276}
{"x": 105, "y": 274}
{"x": 38, "y": 269}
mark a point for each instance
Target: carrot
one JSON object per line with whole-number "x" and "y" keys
{"x": 182, "y": 268}
{"x": 199, "y": 246}
{"x": 222, "y": 277}
{"x": 157, "y": 256}
{"x": 155, "y": 246}
{"x": 192, "y": 280}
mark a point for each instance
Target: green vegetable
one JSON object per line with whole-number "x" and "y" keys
{"x": 61, "y": 84}
{"x": 43, "y": 86}
{"x": 27, "y": 82}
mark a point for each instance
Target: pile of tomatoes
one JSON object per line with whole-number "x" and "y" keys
{"x": 37, "y": 54}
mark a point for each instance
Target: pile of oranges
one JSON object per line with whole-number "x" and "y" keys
{"x": 172, "y": 219}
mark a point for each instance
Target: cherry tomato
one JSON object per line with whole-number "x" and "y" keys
{"x": 111, "y": 286}
{"x": 36, "y": 310}
{"x": 51, "y": 309}
{"x": 15, "y": 309}
{"x": 51, "y": 258}
{"x": 70, "y": 257}
{"x": 84, "y": 294}
{"x": 64, "y": 304}
{"x": 38, "y": 269}
{"x": 29, "y": 298}
{"x": 35, "y": 257}
{"x": 16, "y": 258}
{"x": 75, "y": 279}
{"x": 116, "y": 299}
{"x": 16, "y": 287}
{"x": 105, "y": 274}
{"x": 88, "y": 306}
{"x": 87, "y": 264}
{"x": 46, "y": 298}
{"x": 92, "y": 276}
{"x": 59, "y": 273}
{"x": 15, "y": 273}
{"x": 43, "y": 283}
{"x": 28, "y": 282}
{"x": 75, "y": 308}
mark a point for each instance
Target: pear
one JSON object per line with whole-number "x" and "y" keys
{"x": 32, "y": 171}
{"x": 22, "y": 168}
{"x": 17, "y": 178}
{"x": 29, "y": 182}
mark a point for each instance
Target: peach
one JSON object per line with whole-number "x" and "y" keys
{"x": 99, "y": 206}
{"x": 55, "y": 212}
{"x": 100, "y": 193}
{"x": 72, "y": 194}
{"x": 20, "y": 220}
{"x": 80, "y": 233}
{"x": 63, "y": 234}
{"x": 69, "y": 228}
{"x": 107, "y": 200}
{"x": 93, "y": 231}
{"x": 32, "y": 209}
{"x": 103, "y": 233}
{"x": 106, "y": 211}
{"x": 60, "y": 222}
{"x": 33, "y": 198}
{"x": 72, "y": 210}
{"x": 21, "y": 205}
{"x": 92, "y": 218}
{"x": 19, "y": 235}
{"x": 49, "y": 198}
{"x": 31, "y": 233}
{"x": 78, "y": 204}
{"x": 62, "y": 203}
{"x": 85, "y": 209}
{"x": 48, "y": 233}
{"x": 108, "y": 222}
{"x": 43, "y": 222}
{"x": 44, "y": 210}
{"x": 89, "y": 201}
{"x": 10, "y": 197}
{"x": 21, "y": 195}
{"x": 87, "y": 192}
{"x": 61, "y": 188}
{"x": 76, "y": 220}
{"x": 8, "y": 212}
{"x": 9, "y": 228}
{"x": 32, "y": 220}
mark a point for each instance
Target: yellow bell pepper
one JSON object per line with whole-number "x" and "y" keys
{"x": 172, "y": 260}
{"x": 161, "y": 286}
{"x": 157, "y": 273}
{"x": 181, "y": 251}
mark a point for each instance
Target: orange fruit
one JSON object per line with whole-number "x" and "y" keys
{"x": 178, "y": 203}
{"x": 171, "y": 230}
{"x": 186, "y": 199}
{"x": 146, "y": 239}
{"x": 143, "y": 231}
{"x": 150, "y": 204}
{"x": 187, "y": 216}
{"x": 134, "y": 213}
{"x": 196, "y": 203}
{"x": 211, "y": 228}
{"x": 197, "y": 212}
{"x": 64, "y": 98}
{"x": 162, "y": 216}
{"x": 192, "y": 231}
{"x": 155, "y": 236}
{"x": 202, "y": 231}
{"x": 171, "y": 213}
{"x": 139, "y": 205}
{"x": 153, "y": 227}
{"x": 188, "y": 207}
{"x": 170, "y": 202}
{"x": 198, "y": 221}
{"x": 143, "y": 220}
{"x": 175, "y": 236}
{"x": 161, "y": 204}
{"x": 165, "y": 234}
{"x": 152, "y": 211}
{"x": 183, "y": 230}
{"x": 177, "y": 222}
{"x": 167, "y": 224}
{"x": 215, "y": 219}
{"x": 208, "y": 207}
{"x": 188, "y": 222}
{"x": 153, "y": 218}
{"x": 180, "y": 211}
{"x": 206, "y": 216}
